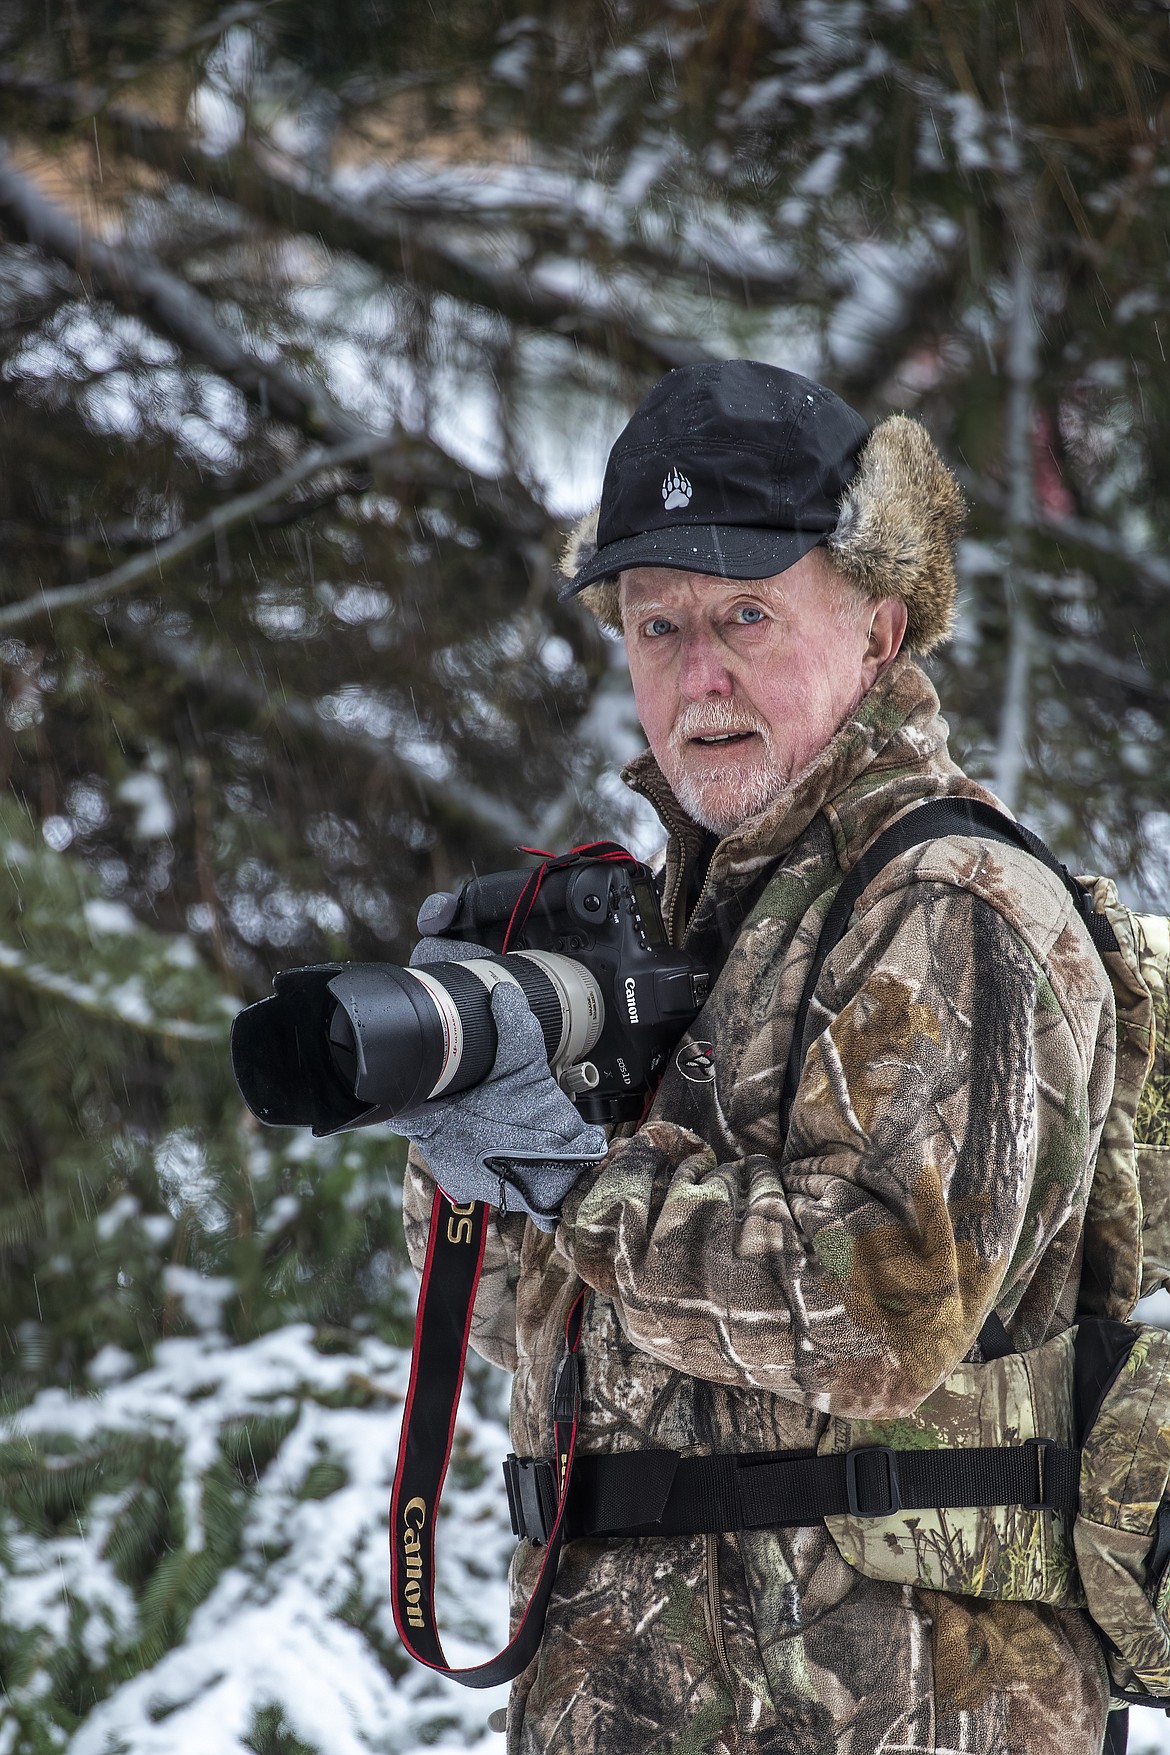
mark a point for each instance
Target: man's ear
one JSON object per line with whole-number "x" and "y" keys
{"x": 887, "y": 630}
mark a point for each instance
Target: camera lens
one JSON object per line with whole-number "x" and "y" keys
{"x": 343, "y": 1046}
{"x": 346, "y": 1045}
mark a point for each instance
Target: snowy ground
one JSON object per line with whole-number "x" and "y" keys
{"x": 291, "y": 1448}
{"x": 299, "y": 1625}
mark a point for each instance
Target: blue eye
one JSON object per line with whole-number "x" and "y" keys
{"x": 750, "y": 614}
{"x": 658, "y": 626}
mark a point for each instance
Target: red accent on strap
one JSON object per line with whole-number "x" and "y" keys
{"x": 650, "y": 1096}
{"x": 522, "y": 1647}
{"x": 612, "y": 855}
{"x": 535, "y": 880}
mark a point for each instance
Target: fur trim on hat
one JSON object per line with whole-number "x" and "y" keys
{"x": 602, "y": 596}
{"x": 901, "y": 516}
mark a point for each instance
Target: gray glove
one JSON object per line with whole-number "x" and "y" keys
{"x": 515, "y": 1141}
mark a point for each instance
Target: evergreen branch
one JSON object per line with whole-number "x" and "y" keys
{"x": 1081, "y": 533}
{"x": 926, "y": 310}
{"x": 137, "y": 282}
{"x": 125, "y": 1005}
{"x": 448, "y": 800}
{"x": 553, "y": 215}
{"x": 1150, "y": 568}
{"x": 1087, "y": 654}
{"x": 155, "y": 560}
{"x": 392, "y": 239}
{"x": 1122, "y": 47}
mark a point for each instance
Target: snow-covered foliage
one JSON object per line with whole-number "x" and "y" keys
{"x": 201, "y": 1426}
{"x": 201, "y": 1562}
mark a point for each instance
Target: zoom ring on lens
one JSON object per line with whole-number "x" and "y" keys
{"x": 543, "y": 1000}
{"x": 475, "y": 1015}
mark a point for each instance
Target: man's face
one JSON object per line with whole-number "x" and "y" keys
{"x": 740, "y": 683}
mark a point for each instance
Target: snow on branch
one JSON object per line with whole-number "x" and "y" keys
{"x": 124, "y": 1002}
{"x": 154, "y": 561}
{"x": 137, "y": 282}
{"x": 383, "y": 232}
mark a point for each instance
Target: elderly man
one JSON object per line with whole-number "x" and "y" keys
{"x": 767, "y": 559}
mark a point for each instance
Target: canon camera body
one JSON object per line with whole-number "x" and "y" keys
{"x": 344, "y": 1045}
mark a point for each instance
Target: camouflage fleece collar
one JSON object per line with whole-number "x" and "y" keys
{"x": 897, "y": 728}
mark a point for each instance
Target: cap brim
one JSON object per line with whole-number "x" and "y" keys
{"x": 725, "y": 551}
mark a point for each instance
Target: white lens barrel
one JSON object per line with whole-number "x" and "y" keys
{"x": 582, "y": 1006}
{"x": 452, "y": 1025}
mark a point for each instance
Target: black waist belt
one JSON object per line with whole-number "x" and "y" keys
{"x": 660, "y": 1493}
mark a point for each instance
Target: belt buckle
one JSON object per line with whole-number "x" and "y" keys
{"x": 893, "y": 1486}
{"x": 532, "y": 1497}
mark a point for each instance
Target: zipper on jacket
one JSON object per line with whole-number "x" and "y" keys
{"x": 687, "y": 837}
{"x": 694, "y": 913}
{"x": 714, "y": 1614}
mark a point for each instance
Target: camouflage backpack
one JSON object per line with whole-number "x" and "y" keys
{"x": 1094, "y": 1402}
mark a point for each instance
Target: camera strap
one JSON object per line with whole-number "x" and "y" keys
{"x": 454, "y": 1262}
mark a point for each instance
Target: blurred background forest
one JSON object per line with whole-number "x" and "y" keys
{"x": 316, "y": 322}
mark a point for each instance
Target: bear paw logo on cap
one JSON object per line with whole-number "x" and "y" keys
{"x": 676, "y": 490}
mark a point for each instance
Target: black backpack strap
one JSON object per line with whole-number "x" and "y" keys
{"x": 1117, "y": 1731}
{"x": 927, "y": 822}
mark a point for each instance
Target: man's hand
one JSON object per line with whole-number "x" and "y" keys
{"x": 515, "y": 1141}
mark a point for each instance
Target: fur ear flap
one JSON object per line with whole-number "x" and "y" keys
{"x": 901, "y": 516}
{"x": 580, "y": 544}
{"x": 580, "y": 547}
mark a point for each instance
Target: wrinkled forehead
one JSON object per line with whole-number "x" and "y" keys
{"x": 644, "y": 589}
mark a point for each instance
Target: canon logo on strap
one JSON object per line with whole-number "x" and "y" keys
{"x": 414, "y": 1516}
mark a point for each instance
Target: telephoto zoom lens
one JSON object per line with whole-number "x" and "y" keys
{"x": 340, "y": 1047}
{"x": 399, "y": 1037}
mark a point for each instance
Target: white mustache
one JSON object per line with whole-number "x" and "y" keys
{"x": 712, "y": 719}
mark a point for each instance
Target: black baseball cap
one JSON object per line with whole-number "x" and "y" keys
{"x": 733, "y": 468}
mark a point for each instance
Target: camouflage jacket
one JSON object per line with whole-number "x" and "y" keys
{"x": 747, "y": 1289}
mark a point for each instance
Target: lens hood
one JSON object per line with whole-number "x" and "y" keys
{"x": 281, "y": 1060}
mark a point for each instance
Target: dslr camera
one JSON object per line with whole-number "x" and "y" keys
{"x": 345, "y": 1045}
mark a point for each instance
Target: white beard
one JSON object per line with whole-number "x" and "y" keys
{"x": 715, "y": 800}
{"x": 714, "y": 807}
